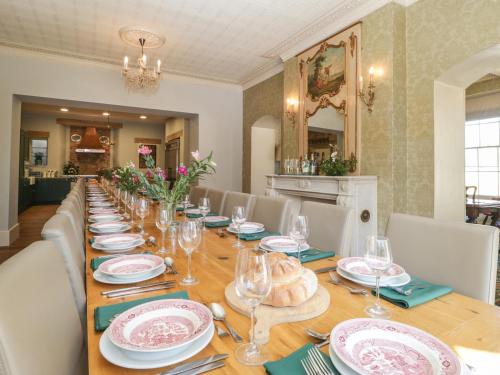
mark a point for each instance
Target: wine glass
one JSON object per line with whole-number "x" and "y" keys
{"x": 163, "y": 222}
{"x": 117, "y": 198}
{"x": 132, "y": 199}
{"x": 204, "y": 206}
{"x": 252, "y": 284}
{"x": 378, "y": 258}
{"x": 239, "y": 217}
{"x": 189, "y": 238}
{"x": 124, "y": 196}
{"x": 185, "y": 204}
{"x": 298, "y": 230}
{"x": 142, "y": 210}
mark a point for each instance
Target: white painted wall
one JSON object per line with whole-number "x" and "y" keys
{"x": 262, "y": 151}
{"x": 27, "y": 73}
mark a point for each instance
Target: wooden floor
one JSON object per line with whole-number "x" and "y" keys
{"x": 31, "y": 223}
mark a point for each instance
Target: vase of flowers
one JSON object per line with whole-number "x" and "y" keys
{"x": 336, "y": 165}
{"x": 156, "y": 184}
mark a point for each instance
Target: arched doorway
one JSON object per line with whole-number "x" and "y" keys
{"x": 449, "y": 133}
{"x": 265, "y": 152}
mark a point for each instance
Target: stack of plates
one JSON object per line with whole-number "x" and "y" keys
{"x": 103, "y": 210}
{"x": 97, "y": 198}
{"x": 101, "y": 204}
{"x": 247, "y": 228}
{"x": 109, "y": 227}
{"x": 355, "y": 269}
{"x": 127, "y": 269}
{"x": 115, "y": 243}
{"x": 215, "y": 219}
{"x": 281, "y": 244}
{"x": 104, "y": 217}
{"x": 193, "y": 211}
{"x": 377, "y": 346}
{"x": 187, "y": 205}
{"x": 157, "y": 334}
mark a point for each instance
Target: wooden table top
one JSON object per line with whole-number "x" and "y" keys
{"x": 459, "y": 321}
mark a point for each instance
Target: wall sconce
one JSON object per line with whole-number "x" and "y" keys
{"x": 291, "y": 109}
{"x": 368, "y": 95}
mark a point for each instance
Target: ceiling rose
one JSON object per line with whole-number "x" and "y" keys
{"x": 132, "y": 34}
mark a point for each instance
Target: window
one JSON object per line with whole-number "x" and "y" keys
{"x": 39, "y": 151}
{"x": 482, "y": 155}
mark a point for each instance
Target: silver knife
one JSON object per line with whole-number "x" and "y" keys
{"x": 106, "y": 292}
{"x": 131, "y": 292}
{"x": 325, "y": 269}
{"x": 197, "y": 365}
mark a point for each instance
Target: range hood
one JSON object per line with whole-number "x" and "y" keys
{"x": 90, "y": 143}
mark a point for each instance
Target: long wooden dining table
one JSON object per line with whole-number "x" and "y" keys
{"x": 467, "y": 325}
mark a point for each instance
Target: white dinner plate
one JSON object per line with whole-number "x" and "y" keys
{"x": 117, "y": 240}
{"x": 103, "y": 210}
{"x": 339, "y": 365}
{"x": 357, "y": 268}
{"x": 248, "y": 227}
{"x": 105, "y": 279}
{"x": 100, "y": 204}
{"x": 106, "y": 217}
{"x": 235, "y": 231}
{"x": 121, "y": 249}
{"x": 215, "y": 219}
{"x": 193, "y": 211}
{"x": 130, "y": 266}
{"x": 373, "y": 346}
{"x": 107, "y": 228}
{"x": 119, "y": 358}
{"x": 281, "y": 244}
{"x": 182, "y": 206}
{"x": 399, "y": 281}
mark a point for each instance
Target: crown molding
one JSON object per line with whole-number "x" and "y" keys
{"x": 264, "y": 72}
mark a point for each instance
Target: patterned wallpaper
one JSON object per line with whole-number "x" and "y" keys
{"x": 414, "y": 45}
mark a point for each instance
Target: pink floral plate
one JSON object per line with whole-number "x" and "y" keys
{"x": 248, "y": 227}
{"x": 109, "y": 227}
{"x": 215, "y": 219}
{"x": 100, "y": 204}
{"x": 107, "y": 217}
{"x": 103, "y": 210}
{"x": 384, "y": 347}
{"x": 117, "y": 239}
{"x": 160, "y": 325}
{"x": 281, "y": 244}
{"x": 128, "y": 266}
{"x": 357, "y": 267}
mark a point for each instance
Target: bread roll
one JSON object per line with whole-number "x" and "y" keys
{"x": 292, "y": 283}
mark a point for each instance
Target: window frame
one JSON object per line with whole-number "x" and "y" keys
{"x": 31, "y": 154}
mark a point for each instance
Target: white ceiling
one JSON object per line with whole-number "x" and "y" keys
{"x": 223, "y": 40}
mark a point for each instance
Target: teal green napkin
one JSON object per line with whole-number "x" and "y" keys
{"x": 312, "y": 254}
{"x": 291, "y": 364}
{"x": 257, "y": 236}
{"x": 419, "y": 296}
{"x": 218, "y": 224}
{"x": 196, "y": 216}
{"x": 178, "y": 208}
{"x": 96, "y": 262}
{"x": 103, "y": 314}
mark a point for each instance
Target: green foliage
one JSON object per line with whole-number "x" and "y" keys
{"x": 337, "y": 166}
{"x": 128, "y": 178}
{"x": 70, "y": 168}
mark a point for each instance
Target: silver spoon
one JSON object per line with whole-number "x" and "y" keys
{"x": 220, "y": 314}
{"x": 336, "y": 281}
{"x": 317, "y": 335}
{"x": 169, "y": 262}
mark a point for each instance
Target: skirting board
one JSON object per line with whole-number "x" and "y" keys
{"x": 9, "y": 236}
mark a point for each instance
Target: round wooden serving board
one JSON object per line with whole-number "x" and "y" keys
{"x": 268, "y": 316}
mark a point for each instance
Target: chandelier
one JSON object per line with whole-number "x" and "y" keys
{"x": 141, "y": 77}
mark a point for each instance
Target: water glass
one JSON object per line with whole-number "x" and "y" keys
{"x": 378, "y": 257}
{"x": 298, "y": 230}
{"x": 185, "y": 204}
{"x": 124, "y": 196}
{"x": 189, "y": 237}
{"x": 239, "y": 217}
{"x": 142, "y": 210}
{"x": 132, "y": 200}
{"x": 204, "y": 207}
{"x": 163, "y": 221}
{"x": 252, "y": 283}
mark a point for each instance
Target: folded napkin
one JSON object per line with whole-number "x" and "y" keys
{"x": 179, "y": 208}
{"x": 103, "y": 314}
{"x": 257, "y": 236}
{"x": 419, "y": 296}
{"x": 96, "y": 262}
{"x": 218, "y": 224}
{"x": 312, "y": 254}
{"x": 291, "y": 364}
{"x": 196, "y": 216}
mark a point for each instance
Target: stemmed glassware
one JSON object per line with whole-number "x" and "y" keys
{"x": 378, "y": 257}
{"x": 204, "y": 206}
{"x": 116, "y": 193}
{"x": 299, "y": 231}
{"x": 252, "y": 284}
{"x": 132, "y": 199}
{"x": 163, "y": 221}
{"x": 239, "y": 217}
{"x": 142, "y": 210}
{"x": 125, "y": 195}
{"x": 185, "y": 204}
{"x": 189, "y": 237}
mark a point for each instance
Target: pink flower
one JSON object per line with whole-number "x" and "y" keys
{"x": 196, "y": 155}
{"x": 149, "y": 174}
{"x": 131, "y": 164}
{"x": 182, "y": 170}
{"x": 144, "y": 150}
{"x": 135, "y": 180}
{"x": 161, "y": 173}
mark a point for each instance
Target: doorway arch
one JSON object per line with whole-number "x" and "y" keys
{"x": 264, "y": 151}
{"x": 449, "y": 133}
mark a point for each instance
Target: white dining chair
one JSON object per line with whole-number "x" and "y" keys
{"x": 40, "y": 332}
{"x": 76, "y": 218}
{"x": 463, "y": 256}
{"x": 197, "y": 192}
{"x": 58, "y": 230}
{"x": 272, "y": 212}
{"x": 233, "y": 198}
{"x": 330, "y": 226}
{"x": 216, "y": 197}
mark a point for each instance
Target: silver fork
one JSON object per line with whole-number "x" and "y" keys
{"x": 319, "y": 362}
{"x": 336, "y": 281}
{"x": 221, "y": 332}
{"x": 307, "y": 366}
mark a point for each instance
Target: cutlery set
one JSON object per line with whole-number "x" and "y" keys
{"x": 138, "y": 289}
{"x": 199, "y": 366}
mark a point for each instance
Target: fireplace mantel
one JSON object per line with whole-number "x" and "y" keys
{"x": 358, "y": 192}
